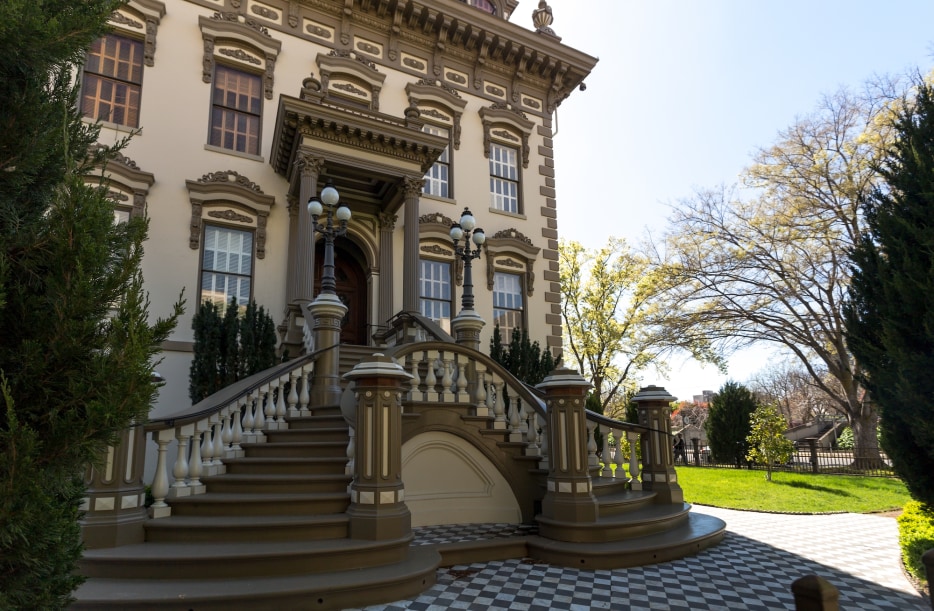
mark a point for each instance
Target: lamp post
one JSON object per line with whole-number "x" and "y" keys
{"x": 329, "y": 198}
{"x": 327, "y": 309}
{"x": 467, "y": 324}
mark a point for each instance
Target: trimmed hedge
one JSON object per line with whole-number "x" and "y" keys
{"x": 915, "y": 536}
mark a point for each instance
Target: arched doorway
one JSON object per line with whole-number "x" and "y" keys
{"x": 350, "y": 277}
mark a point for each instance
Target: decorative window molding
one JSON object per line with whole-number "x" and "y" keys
{"x": 438, "y": 103}
{"x": 434, "y": 232}
{"x": 243, "y": 42}
{"x": 510, "y": 251}
{"x": 228, "y": 198}
{"x": 350, "y": 76}
{"x": 140, "y": 19}
{"x": 504, "y": 123}
{"x": 127, "y": 185}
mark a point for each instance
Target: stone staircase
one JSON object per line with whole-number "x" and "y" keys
{"x": 271, "y": 532}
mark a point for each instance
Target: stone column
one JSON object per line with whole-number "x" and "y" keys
{"x": 413, "y": 190}
{"x": 304, "y": 261}
{"x": 658, "y": 471}
{"x": 569, "y": 496}
{"x": 387, "y": 225}
{"x": 328, "y": 312}
{"x": 377, "y": 496}
{"x": 466, "y": 327}
{"x": 115, "y": 502}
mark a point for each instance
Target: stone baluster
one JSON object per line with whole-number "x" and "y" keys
{"x": 226, "y": 429}
{"x": 248, "y": 416}
{"x": 523, "y": 418}
{"x": 447, "y": 380}
{"x": 533, "y": 448}
{"x": 543, "y": 426}
{"x": 160, "y": 483}
{"x": 490, "y": 398}
{"x": 218, "y": 450}
{"x": 259, "y": 416}
{"x": 207, "y": 449}
{"x": 430, "y": 379}
{"x": 634, "y": 482}
{"x": 461, "y": 381}
{"x": 619, "y": 472}
{"x": 593, "y": 461}
{"x": 515, "y": 420}
{"x": 416, "y": 379}
{"x": 499, "y": 406}
{"x": 269, "y": 410}
{"x": 609, "y": 453}
{"x": 292, "y": 398}
{"x": 351, "y": 451}
{"x": 195, "y": 466}
{"x": 237, "y": 435}
{"x": 180, "y": 471}
{"x": 480, "y": 398}
{"x": 280, "y": 403}
{"x": 305, "y": 395}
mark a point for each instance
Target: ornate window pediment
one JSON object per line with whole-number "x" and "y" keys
{"x": 140, "y": 19}
{"x": 350, "y": 76}
{"x": 511, "y": 252}
{"x": 228, "y": 198}
{"x": 504, "y": 124}
{"x": 127, "y": 185}
{"x": 438, "y": 103}
{"x": 245, "y": 44}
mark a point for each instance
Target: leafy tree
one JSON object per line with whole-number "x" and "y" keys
{"x": 767, "y": 442}
{"x": 229, "y": 348}
{"x": 768, "y": 266}
{"x": 890, "y": 314}
{"x": 77, "y": 349}
{"x": 727, "y": 423}
{"x": 610, "y": 318}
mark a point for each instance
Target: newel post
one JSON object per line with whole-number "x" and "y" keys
{"x": 658, "y": 471}
{"x": 377, "y": 496}
{"x": 569, "y": 496}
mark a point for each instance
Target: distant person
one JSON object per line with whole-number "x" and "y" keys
{"x": 679, "y": 449}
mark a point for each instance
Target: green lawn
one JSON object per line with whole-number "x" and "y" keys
{"x": 790, "y": 492}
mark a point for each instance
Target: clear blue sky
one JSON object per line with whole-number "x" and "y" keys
{"x": 686, "y": 90}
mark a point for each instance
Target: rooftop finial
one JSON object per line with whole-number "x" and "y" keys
{"x": 542, "y": 19}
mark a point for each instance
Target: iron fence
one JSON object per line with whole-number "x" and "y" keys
{"x": 804, "y": 460}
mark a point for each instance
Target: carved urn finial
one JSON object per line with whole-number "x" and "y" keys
{"x": 542, "y": 19}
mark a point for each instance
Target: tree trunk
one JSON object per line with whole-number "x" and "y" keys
{"x": 866, "y": 454}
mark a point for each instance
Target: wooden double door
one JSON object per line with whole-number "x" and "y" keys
{"x": 350, "y": 278}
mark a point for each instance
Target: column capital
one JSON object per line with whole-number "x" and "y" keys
{"x": 310, "y": 165}
{"x": 412, "y": 186}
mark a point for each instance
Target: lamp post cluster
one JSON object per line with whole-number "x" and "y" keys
{"x": 329, "y": 198}
{"x": 466, "y": 231}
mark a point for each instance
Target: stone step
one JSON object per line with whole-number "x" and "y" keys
{"x": 303, "y": 435}
{"x": 200, "y": 561}
{"x": 252, "y": 504}
{"x": 227, "y": 529}
{"x": 296, "y": 449}
{"x": 646, "y": 520}
{"x": 265, "y": 483}
{"x": 287, "y": 465}
{"x": 622, "y": 501}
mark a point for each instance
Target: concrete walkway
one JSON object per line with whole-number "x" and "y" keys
{"x": 752, "y": 568}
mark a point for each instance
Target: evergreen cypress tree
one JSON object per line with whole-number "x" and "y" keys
{"x": 77, "y": 350}
{"x": 203, "y": 375}
{"x": 228, "y": 358}
{"x": 728, "y": 425}
{"x": 890, "y": 312}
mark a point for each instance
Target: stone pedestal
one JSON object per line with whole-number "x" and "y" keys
{"x": 466, "y": 328}
{"x": 569, "y": 497}
{"x": 377, "y": 496}
{"x": 658, "y": 471}
{"x": 328, "y": 312}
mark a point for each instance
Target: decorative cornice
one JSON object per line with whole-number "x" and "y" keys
{"x": 356, "y": 56}
{"x": 229, "y": 215}
{"x": 230, "y": 176}
{"x": 513, "y": 234}
{"x": 435, "y": 217}
{"x": 118, "y": 18}
{"x": 435, "y": 249}
{"x": 247, "y": 21}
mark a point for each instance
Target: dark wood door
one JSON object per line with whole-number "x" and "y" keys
{"x": 351, "y": 289}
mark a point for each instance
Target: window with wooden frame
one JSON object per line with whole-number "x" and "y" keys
{"x": 508, "y": 303}
{"x": 504, "y": 178}
{"x": 438, "y": 178}
{"x": 112, "y": 80}
{"x": 226, "y": 265}
{"x": 434, "y": 290}
{"x": 236, "y": 110}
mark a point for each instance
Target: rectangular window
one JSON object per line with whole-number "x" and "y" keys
{"x": 121, "y": 215}
{"x": 112, "y": 81}
{"x": 226, "y": 265}
{"x": 507, "y": 303}
{"x": 236, "y": 105}
{"x": 437, "y": 181}
{"x": 434, "y": 290}
{"x": 504, "y": 178}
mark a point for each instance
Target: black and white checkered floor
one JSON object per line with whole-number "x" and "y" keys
{"x": 752, "y": 568}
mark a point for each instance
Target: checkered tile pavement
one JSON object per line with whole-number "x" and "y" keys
{"x": 752, "y": 569}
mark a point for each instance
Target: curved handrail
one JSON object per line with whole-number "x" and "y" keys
{"x": 217, "y": 401}
{"x": 403, "y": 350}
{"x": 622, "y": 425}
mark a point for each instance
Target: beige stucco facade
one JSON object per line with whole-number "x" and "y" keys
{"x": 347, "y": 87}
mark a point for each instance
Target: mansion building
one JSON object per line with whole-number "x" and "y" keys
{"x": 414, "y": 110}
